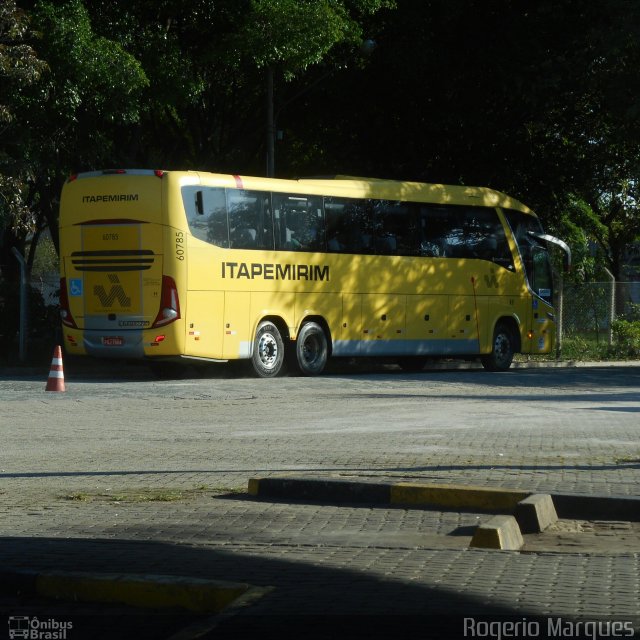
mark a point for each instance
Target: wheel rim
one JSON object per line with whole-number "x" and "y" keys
{"x": 311, "y": 350}
{"x": 502, "y": 348}
{"x": 268, "y": 350}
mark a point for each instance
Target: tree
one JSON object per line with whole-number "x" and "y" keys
{"x": 287, "y": 36}
{"x": 68, "y": 117}
{"x": 19, "y": 68}
{"x": 69, "y": 93}
{"x": 206, "y": 66}
{"x": 540, "y": 100}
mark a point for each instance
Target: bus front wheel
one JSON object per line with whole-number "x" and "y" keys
{"x": 503, "y": 348}
{"x": 312, "y": 349}
{"x": 268, "y": 351}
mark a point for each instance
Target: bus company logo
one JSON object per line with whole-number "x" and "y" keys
{"x": 491, "y": 280}
{"x": 114, "y": 197}
{"x": 36, "y": 629}
{"x": 115, "y": 293}
{"x": 255, "y": 270}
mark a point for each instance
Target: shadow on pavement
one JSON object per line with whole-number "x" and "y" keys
{"x": 309, "y": 600}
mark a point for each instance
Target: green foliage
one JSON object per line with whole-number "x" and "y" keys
{"x": 71, "y": 116}
{"x": 584, "y": 347}
{"x": 627, "y": 337}
{"x": 15, "y": 215}
{"x": 294, "y": 34}
{"x": 633, "y": 313}
{"x": 590, "y": 346}
{"x": 19, "y": 68}
{"x": 547, "y": 112}
{"x": 574, "y": 226}
{"x": 45, "y": 258}
{"x": 93, "y": 90}
{"x": 19, "y": 65}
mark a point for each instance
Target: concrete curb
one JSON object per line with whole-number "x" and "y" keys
{"x": 501, "y": 532}
{"x": 401, "y": 493}
{"x": 459, "y": 497}
{"x": 536, "y": 513}
{"x": 456, "y": 496}
{"x": 138, "y": 590}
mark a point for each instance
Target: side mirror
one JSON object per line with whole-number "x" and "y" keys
{"x": 566, "y": 260}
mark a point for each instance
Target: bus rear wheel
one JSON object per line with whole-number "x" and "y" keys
{"x": 268, "y": 351}
{"x": 312, "y": 349}
{"x": 503, "y": 348}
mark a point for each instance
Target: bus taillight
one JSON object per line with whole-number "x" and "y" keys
{"x": 169, "y": 303}
{"x": 65, "y": 309}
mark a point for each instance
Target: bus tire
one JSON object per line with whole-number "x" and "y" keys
{"x": 312, "y": 349}
{"x": 268, "y": 350}
{"x": 502, "y": 349}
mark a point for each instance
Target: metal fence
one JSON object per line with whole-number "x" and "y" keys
{"x": 37, "y": 322}
{"x": 590, "y": 308}
{"x": 48, "y": 286}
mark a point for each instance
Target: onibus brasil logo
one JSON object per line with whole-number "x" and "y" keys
{"x": 36, "y": 629}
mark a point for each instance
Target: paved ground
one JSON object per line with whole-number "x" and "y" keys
{"x": 158, "y": 487}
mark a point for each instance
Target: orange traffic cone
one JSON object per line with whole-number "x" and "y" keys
{"x": 56, "y": 374}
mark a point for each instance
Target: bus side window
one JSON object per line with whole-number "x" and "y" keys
{"x": 333, "y": 217}
{"x": 396, "y": 228}
{"x": 250, "y": 222}
{"x": 350, "y": 227}
{"x": 299, "y": 222}
{"x": 484, "y": 236}
{"x": 206, "y": 212}
{"x": 435, "y": 228}
{"x": 215, "y": 209}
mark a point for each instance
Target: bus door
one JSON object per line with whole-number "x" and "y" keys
{"x": 542, "y": 319}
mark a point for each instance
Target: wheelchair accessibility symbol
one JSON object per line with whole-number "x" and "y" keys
{"x": 75, "y": 287}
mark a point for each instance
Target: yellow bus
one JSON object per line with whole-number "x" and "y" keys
{"x": 163, "y": 265}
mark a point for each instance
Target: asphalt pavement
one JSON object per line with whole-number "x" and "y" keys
{"x": 74, "y": 505}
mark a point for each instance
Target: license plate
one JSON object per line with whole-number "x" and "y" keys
{"x": 112, "y": 341}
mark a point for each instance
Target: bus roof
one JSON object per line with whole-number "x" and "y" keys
{"x": 358, "y": 187}
{"x": 343, "y": 186}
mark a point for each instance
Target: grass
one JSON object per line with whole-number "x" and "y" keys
{"x": 136, "y": 496}
{"x": 78, "y": 497}
{"x": 586, "y": 347}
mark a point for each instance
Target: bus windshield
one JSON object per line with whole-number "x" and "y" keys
{"x": 527, "y": 231}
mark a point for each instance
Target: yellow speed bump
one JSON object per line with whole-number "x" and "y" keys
{"x": 456, "y": 496}
{"x": 150, "y": 591}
